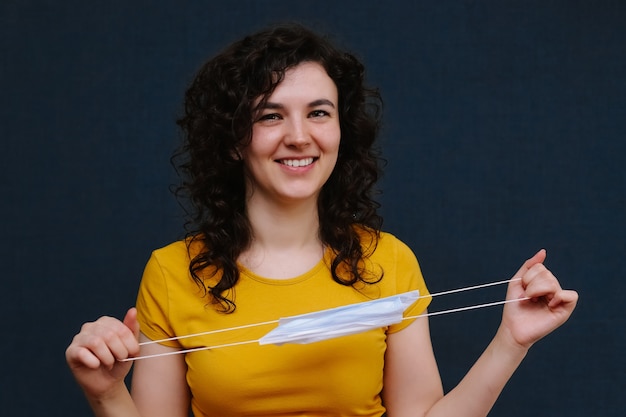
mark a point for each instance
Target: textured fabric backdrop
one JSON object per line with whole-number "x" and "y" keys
{"x": 505, "y": 127}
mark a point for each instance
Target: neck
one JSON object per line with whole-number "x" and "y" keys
{"x": 285, "y": 238}
{"x": 283, "y": 226}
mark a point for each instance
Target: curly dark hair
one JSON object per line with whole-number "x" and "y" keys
{"x": 219, "y": 111}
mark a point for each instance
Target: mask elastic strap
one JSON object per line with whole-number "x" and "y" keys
{"x": 436, "y": 313}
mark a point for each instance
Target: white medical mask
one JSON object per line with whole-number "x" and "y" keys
{"x": 340, "y": 321}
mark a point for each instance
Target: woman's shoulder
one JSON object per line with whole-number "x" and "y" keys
{"x": 175, "y": 259}
{"x": 387, "y": 238}
{"x": 184, "y": 249}
{"x": 167, "y": 260}
{"x": 168, "y": 267}
{"x": 381, "y": 243}
{"x": 173, "y": 252}
{"x": 390, "y": 246}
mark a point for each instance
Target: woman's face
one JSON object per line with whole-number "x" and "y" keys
{"x": 295, "y": 138}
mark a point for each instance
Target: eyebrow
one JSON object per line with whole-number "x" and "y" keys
{"x": 314, "y": 103}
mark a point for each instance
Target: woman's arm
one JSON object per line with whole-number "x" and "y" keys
{"x": 410, "y": 374}
{"x": 411, "y": 382}
{"x": 94, "y": 357}
{"x": 159, "y": 385}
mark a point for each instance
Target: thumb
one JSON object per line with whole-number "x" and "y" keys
{"x": 537, "y": 258}
{"x": 130, "y": 320}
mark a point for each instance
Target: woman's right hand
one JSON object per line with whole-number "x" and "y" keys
{"x": 95, "y": 353}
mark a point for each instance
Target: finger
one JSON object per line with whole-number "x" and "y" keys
{"x": 540, "y": 282}
{"x": 537, "y": 258}
{"x": 131, "y": 339}
{"x": 93, "y": 341}
{"x": 108, "y": 339}
{"x": 119, "y": 338}
{"x": 81, "y": 356}
{"x": 130, "y": 320}
{"x": 566, "y": 298}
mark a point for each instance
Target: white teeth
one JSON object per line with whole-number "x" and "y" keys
{"x": 297, "y": 162}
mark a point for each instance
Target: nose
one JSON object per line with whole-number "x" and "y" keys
{"x": 297, "y": 134}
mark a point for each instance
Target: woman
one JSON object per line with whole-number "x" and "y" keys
{"x": 279, "y": 167}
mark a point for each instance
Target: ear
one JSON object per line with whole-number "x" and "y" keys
{"x": 237, "y": 154}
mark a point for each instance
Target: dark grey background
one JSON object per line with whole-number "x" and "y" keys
{"x": 504, "y": 133}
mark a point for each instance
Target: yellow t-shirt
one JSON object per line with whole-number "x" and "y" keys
{"x": 336, "y": 377}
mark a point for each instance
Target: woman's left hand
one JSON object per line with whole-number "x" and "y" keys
{"x": 549, "y": 306}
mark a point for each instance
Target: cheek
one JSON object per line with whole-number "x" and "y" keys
{"x": 259, "y": 146}
{"x": 332, "y": 138}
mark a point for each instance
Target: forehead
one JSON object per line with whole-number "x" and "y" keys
{"x": 307, "y": 78}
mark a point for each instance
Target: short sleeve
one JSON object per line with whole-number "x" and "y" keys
{"x": 153, "y": 304}
{"x": 409, "y": 277}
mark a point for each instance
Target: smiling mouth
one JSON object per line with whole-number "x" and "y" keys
{"x": 297, "y": 163}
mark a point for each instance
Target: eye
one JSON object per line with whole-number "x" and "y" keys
{"x": 319, "y": 113}
{"x": 269, "y": 117}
